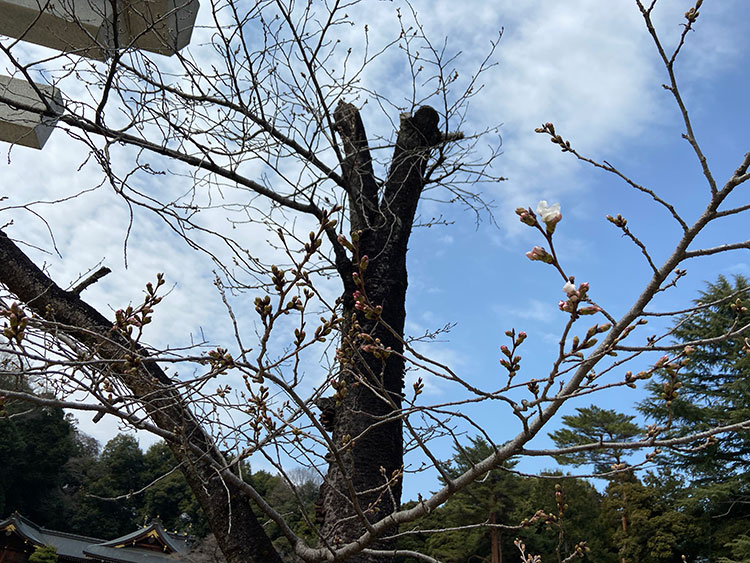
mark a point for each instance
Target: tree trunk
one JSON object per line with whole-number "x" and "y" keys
{"x": 364, "y": 478}
{"x": 496, "y": 550}
{"x": 624, "y": 518}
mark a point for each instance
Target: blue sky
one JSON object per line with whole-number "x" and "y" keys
{"x": 585, "y": 65}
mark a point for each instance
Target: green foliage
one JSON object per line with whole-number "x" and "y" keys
{"x": 649, "y": 521}
{"x": 646, "y": 521}
{"x": 492, "y": 497}
{"x": 740, "y": 548}
{"x": 510, "y": 499}
{"x": 169, "y": 497}
{"x": 34, "y": 445}
{"x": 714, "y": 390}
{"x": 582, "y": 520}
{"x": 295, "y": 501}
{"x": 592, "y": 425}
{"x": 106, "y": 507}
{"x": 714, "y": 385}
{"x": 125, "y": 488}
{"x": 46, "y": 554}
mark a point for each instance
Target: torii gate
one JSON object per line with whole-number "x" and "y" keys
{"x": 89, "y": 28}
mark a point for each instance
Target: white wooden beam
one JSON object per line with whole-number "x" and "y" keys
{"x": 86, "y": 27}
{"x": 23, "y": 126}
{"x": 71, "y": 26}
{"x": 159, "y": 26}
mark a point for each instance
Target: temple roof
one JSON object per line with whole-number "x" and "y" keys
{"x": 151, "y": 544}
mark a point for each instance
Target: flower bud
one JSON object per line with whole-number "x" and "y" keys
{"x": 592, "y": 310}
{"x": 539, "y": 254}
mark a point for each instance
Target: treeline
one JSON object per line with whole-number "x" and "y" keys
{"x": 62, "y": 479}
{"x": 59, "y": 478}
{"x": 651, "y": 518}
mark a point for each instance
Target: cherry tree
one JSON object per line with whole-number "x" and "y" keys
{"x": 263, "y": 126}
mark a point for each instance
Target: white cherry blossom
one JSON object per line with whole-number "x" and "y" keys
{"x": 550, "y": 214}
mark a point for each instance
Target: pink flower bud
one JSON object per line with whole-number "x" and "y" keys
{"x": 592, "y": 310}
{"x": 539, "y": 254}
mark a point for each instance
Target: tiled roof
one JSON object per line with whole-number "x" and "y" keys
{"x": 155, "y": 534}
{"x": 151, "y": 544}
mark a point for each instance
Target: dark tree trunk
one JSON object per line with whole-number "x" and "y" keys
{"x": 366, "y": 407}
{"x": 228, "y": 510}
{"x": 496, "y": 551}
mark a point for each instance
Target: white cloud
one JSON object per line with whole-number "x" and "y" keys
{"x": 535, "y": 310}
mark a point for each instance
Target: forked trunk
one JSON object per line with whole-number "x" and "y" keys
{"x": 364, "y": 479}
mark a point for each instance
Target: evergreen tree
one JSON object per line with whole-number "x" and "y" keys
{"x": 499, "y": 497}
{"x": 592, "y": 425}
{"x": 714, "y": 385}
{"x": 740, "y": 548}
{"x": 296, "y": 504}
{"x": 490, "y": 499}
{"x": 106, "y": 505}
{"x": 660, "y": 528}
{"x": 712, "y": 389}
{"x": 582, "y": 518}
{"x": 169, "y": 497}
{"x": 511, "y": 499}
{"x": 35, "y": 444}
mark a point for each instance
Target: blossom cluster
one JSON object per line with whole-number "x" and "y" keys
{"x": 575, "y": 296}
{"x": 550, "y": 215}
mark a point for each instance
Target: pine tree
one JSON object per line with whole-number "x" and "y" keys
{"x": 593, "y": 424}
{"x": 740, "y": 550}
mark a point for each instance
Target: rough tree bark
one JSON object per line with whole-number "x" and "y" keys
{"x": 365, "y": 410}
